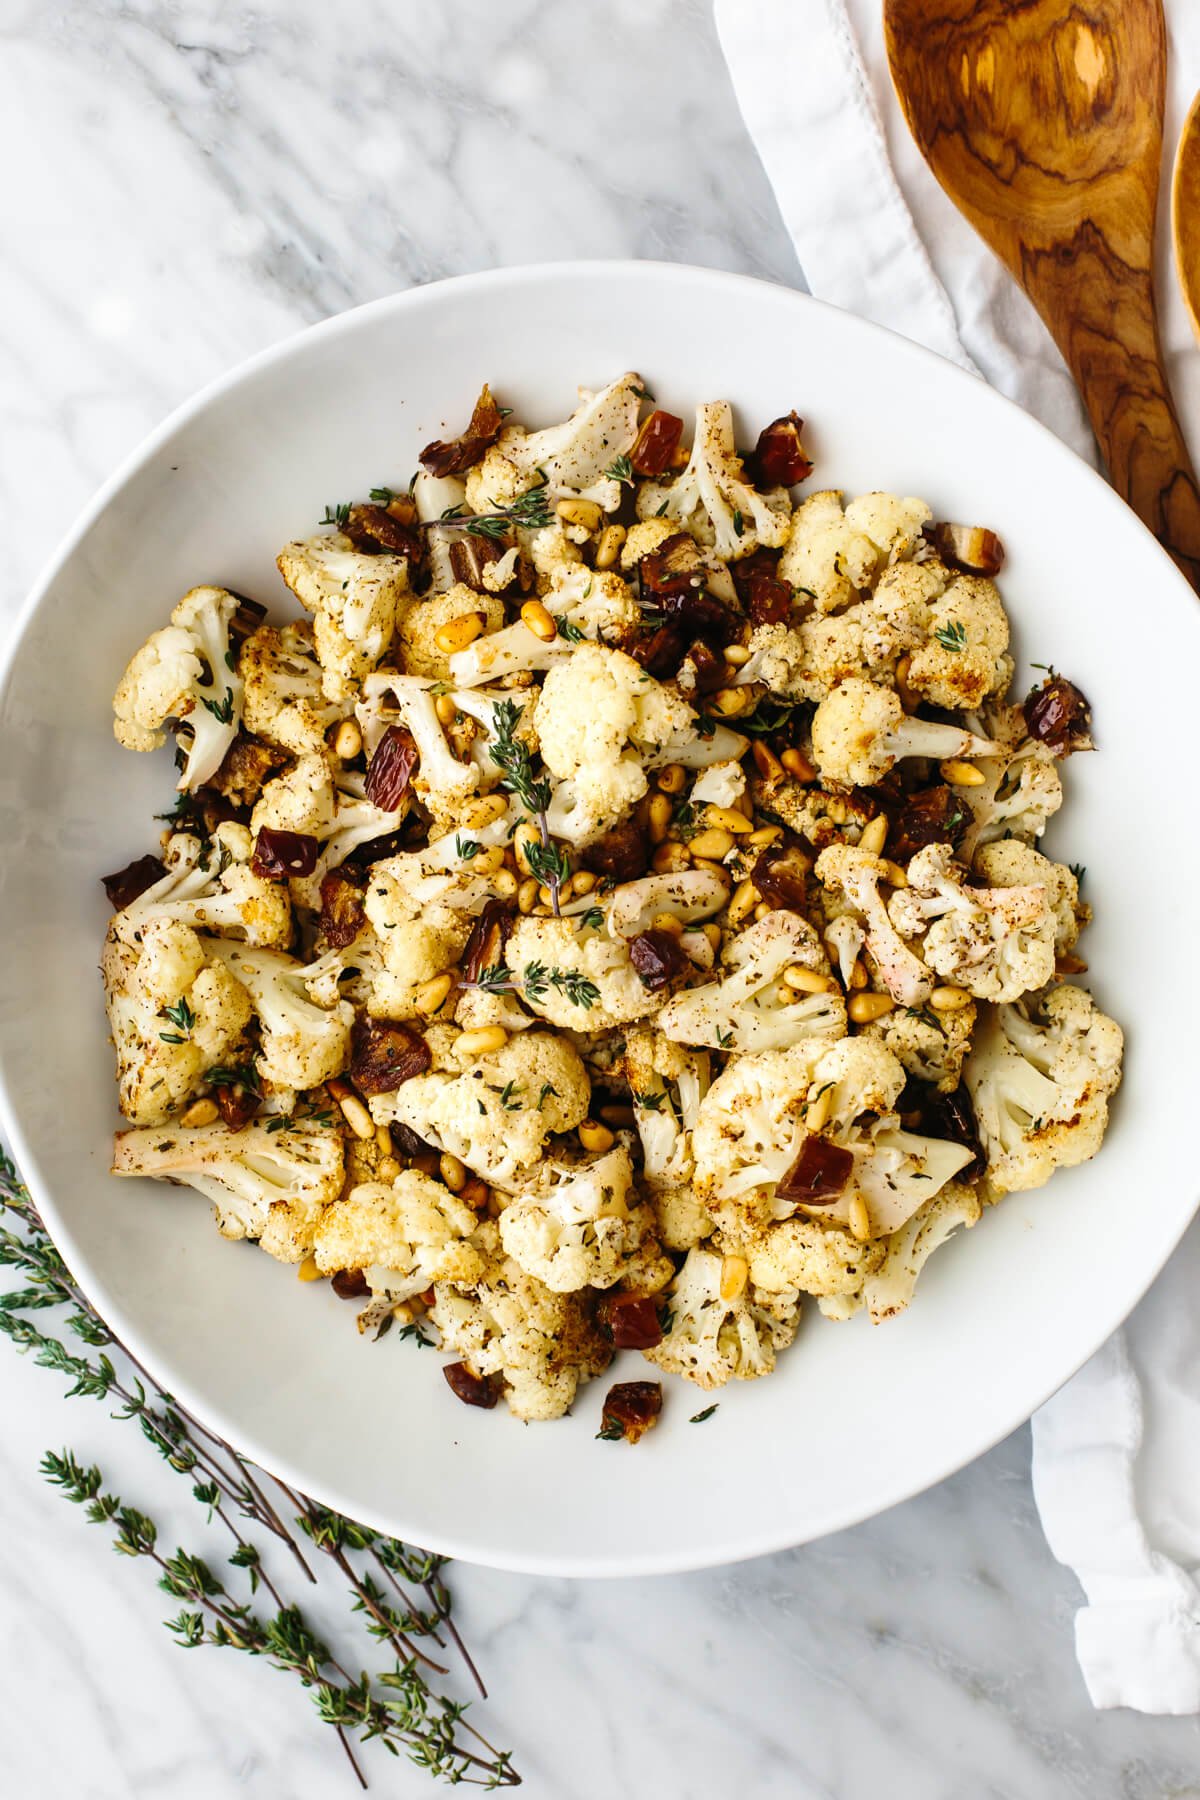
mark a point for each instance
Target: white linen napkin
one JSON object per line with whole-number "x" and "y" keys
{"x": 1116, "y": 1454}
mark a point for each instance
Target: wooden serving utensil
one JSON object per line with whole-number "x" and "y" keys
{"x": 1185, "y": 212}
{"x": 1043, "y": 122}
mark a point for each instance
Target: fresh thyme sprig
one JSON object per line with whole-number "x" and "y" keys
{"x": 548, "y": 861}
{"x": 500, "y": 979}
{"x": 531, "y": 510}
{"x": 396, "y": 1704}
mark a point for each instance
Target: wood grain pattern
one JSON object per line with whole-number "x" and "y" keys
{"x": 1185, "y": 212}
{"x": 1042, "y": 119}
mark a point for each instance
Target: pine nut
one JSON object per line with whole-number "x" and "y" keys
{"x": 453, "y": 1172}
{"x": 863, "y": 1008}
{"x": 431, "y": 996}
{"x": 487, "y": 862}
{"x": 476, "y": 1193}
{"x": 905, "y": 692}
{"x": 539, "y": 621}
{"x": 670, "y": 858}
{"x": 658, "y": 817}
{"x": 858, "y": 976}
{"x": 797, "y": 764}
{"x": 527, "y": 895}
{"x": 666, "y": 921}
{"x": 727, "y": 818}
{"x": 352, "y": 1109}
{"x": 858, "y": 1218}
{"x": 962, "y": 774}
{"x": 816, "y": 1111}
{"x": 712, "y": 845}
{"x": 456, "y": 634}
{"x": 763, "y": 911}
{"x": 485, "y": 811}
{"x": 505, "y": 884}
{"x": 609, "y": 547}
{"x": 546, "y": 897}
{"x": 765, "y": 760}
{"x": 383, "y": 1140}
{"x": 745, "y": 898}
{"x": 835, "y": 810}
{"x": 308, "y": 1270}
{"x": 808, "y": 981}
{"x": 388, "y": 1169}
{"x": 583, "y": 881}
{"x": 767, "y": 834}
{"x": 713, "y": 934}
{"x": 874, "y": 835}
{"x": 199, "y": 1113}
{"x": 584, "y": 513}
{"x": 949, "y": 999}
{"x": 729, "y": 702}
{"x": 711, "y": 868}
{"x": 347, "y": 740}
{"x": 671, "y": 779}
{"x": 445, "y": 709}
{"x": 525, "y": 835}
{"x": 893, "y": 874}
{"x": 621, "y": 1118}
{"x": 735, "y": 1272}
{"x": 479, "y": 1043}
{"x": 736, "y": 654}
{"x": 595, "y": 1136}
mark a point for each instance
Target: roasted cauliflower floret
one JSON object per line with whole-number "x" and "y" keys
{"x": 888, "y": 1287}
{"x": 355, "y": 601}
{"x": 576, "y": 456}
{"x": 826, "y": 1261}
{"x": 273, "y": 1185}
{"x": 211, "y": 887}
{"x": 827, "y": 555}
{"x": 857, "y": 875}
{"x": 1008, "y": 863}
{"x": 581, "y": 1225}
{"x": 713, "y": 1340}
{"x": 1040, "y": 1075}
{"x": 284, "y": 699}
{"x": 186, "y": 672}
{"x": 956, "y": 629}
{"x": 996, "y": 942}
{"x": 930, "y": 1046}
{"x": 302, "y": 1044}
{"x": 595, "y": 602}
{"x": 713, "y": 498}
{"x": 404, "y": 1235}
{"x": 860, "y": 732}
{"x": 742, "y": 1010}
{"x": 577, "y": 977}
{"x": 419, "y": 651}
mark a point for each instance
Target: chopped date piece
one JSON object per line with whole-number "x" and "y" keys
{"x": 349, "y": 1284}
{"x": 451, "y": 456}
{"x": 949, "y": 1116}
{"x": 390, "y": 770}
{"x": 236, "y": 1104}
{"x": 1059, "y": 716}
{"x": 661, "y": 652}
{"x": 656, "y": 444}
{"x": 759, "y": 562}
{"x": 709, "y": 667}
{"x": 934, "y": 815}
{"x": 818, "y": 1175}
{"x": 779, "y": 458}
{"x": 485, "y": 946}
{"x": 631, "y": 1321}
{"x": 248, "y": 763}
{"x": 342, "y": 916}
{"x": 674, "y": 567}
{"x": 248, "y": 617}
{"x": 630, "y": 1409}
{"x": 377, "y": 849}
{"x": 621, "y": 854}
{"x": 472, "y": 1390}
{"x": 280, "y": 854}
{"x": 470, "y": 556}
{"x": 780, "y": 875}
{"x": 658, "y": 957}
{"x": 124, "y": 887}
{"x": 971, "y": 548}
{"x": 407, "y": 1142}
{"x": 702, "y": 614}
{"x": 769, "y": 601}
{"x": 378, "y": 530}
{"x": 384, "y": 1054}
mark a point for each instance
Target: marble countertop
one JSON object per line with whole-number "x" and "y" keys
{"x": 190, "y": 180}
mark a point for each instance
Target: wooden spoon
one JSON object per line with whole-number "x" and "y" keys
{"x": 1043, "y": 122}
{"x": 1185, "y": 212}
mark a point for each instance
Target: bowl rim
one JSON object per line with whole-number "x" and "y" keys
{"x": 749, "y": 1543}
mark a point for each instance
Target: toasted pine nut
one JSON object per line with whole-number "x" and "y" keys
{"x": 445, "y": 709}
{"x": 735, "y": 1272}
{"x": 763, "y": 911}
{"x": 546, "y": 897}
{"x": 816, "y": 1111}
{"x": 580, "y": 512}
{"x": 671, "y": 779}
{"x": 456, "y": 634}
{"x": 308, "y": 1270}
{"x": 453, "y": 1172}
{"x": 383, "y": 1140}
{"x": 485, "y": 811}
{"x": 949, "y": 999}
{"x": 727, "y": 818}
{"x": 797, "y": 764}
{"x": 858, "y": 976}
{"x": 670, "y": 858}
{"x": 431, "y": 996}
{"x": 595, "y": 1136}
{"x": 835, "y": 810}
{"x": 1066, "y": 964}
{"x": 479, "y": 1043}
{"x": 712, "y": 845}
{"x": 863, "y": 1008}
{"x": 539, "y": 621}
{"x": 523, "y": 836}
{"x": 736, "y": 654}
{"x": 902, "y": 688}
{"x": 893, "y": 874}
{"x": 609, "y": 547}
{"x": 527, "y": 895}
{"x": 388, "y": 1168}
{"x": 583, "y": 881}
{"x": 711, "y": 868}
{"x": 713, "y": 934}
{"x": 666, "y": 921}
{"x": 745, "y": 898}
{"x": 621, "y": 1118}
{"x": 730, "y": 701}
{"x": 352, "y": 1109}
{"x": 808, "y": 981}
{"x": 658, "y": 817}
{"x": 766, "y": 834}
{"x": 347, "y": 740}
{"x": 200, "y": 1112}
{"x": 765, "y": 759}
{"x": 487, "y": 862}
{"x": 858, "y": 1218}
{"x": 476, "y": 1193}
{"x": 962, "y": 774}
{"x": 874, "y": 835}
{"x": 505, "y": 884}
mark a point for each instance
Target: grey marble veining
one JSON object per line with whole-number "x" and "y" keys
{"x": 184, "y": 184}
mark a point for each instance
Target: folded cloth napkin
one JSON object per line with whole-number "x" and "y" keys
{"x": 1116, "y": 1454}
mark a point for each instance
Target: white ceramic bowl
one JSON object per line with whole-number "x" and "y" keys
{"x": 856, "y": 1418}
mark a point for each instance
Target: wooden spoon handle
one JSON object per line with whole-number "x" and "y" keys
{"x": 1101, "y": 313}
